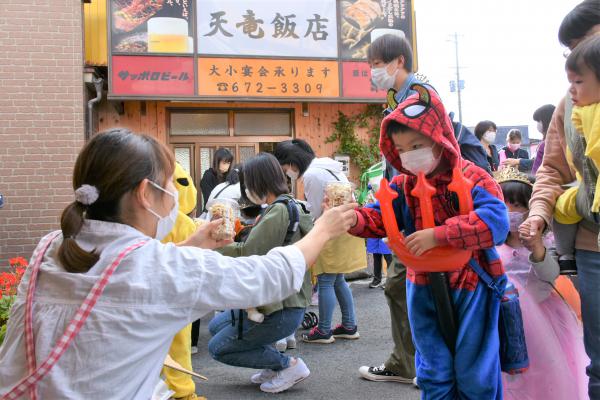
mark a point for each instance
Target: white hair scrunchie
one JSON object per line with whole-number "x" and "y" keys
{"x": 86, "y": 194}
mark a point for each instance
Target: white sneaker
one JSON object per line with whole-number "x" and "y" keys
{"x": 286, "y": 378}
{"x": 415, "y": 384}
{"x": 281, "y": 345}
{"x": 194, "y": 350}
{"x": 263, "y": 376}
{"x": 291, "y": 342}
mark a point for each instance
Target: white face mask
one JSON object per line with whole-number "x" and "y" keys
{"x": 490, "y": 137}
{"x": 165, "y": 224}
{"x": 420, "y": 160}
{"x": 292, "y": 174}
{"x": 381, "y": 79}
{"x": 515, "y": 219}
{"x": 540, "y": 127}
{"x": 255, "y": 199}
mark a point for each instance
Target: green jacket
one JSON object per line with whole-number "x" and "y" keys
{"x": 267, "y": 234}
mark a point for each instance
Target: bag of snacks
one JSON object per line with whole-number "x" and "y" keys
{"x": 339, "y": 193}
{"x": 226, "y": 209}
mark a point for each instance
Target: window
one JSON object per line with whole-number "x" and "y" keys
{"x": 183, "y": 155}
{"x": 210, "y": 123}
{"x": 202, "y": 124}
{"x": 262, "y": 124}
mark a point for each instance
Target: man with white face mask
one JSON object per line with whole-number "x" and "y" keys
{"x": 391, "y": 59}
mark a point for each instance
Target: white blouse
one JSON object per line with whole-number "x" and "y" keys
{"x": 156, "y": 291}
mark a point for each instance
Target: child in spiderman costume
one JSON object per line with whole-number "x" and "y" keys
{"x": 417, "y": 138}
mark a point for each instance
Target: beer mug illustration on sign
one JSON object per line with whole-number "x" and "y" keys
{"x": 167, "y": 35}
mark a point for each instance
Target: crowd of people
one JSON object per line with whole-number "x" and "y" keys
{"x": 493, "y": 267}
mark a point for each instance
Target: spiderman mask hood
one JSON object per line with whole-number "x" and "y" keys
{"x": 422, "y": 112}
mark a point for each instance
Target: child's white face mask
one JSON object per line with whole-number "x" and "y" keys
{"x": 420, "y": 160}
{"x": 166, "y": 223}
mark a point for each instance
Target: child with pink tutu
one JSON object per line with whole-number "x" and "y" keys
{"x": 553, "y": 334}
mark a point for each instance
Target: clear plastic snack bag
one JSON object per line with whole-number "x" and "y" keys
{"x": 225, "y": 209}
{"x": 339, "y": 193}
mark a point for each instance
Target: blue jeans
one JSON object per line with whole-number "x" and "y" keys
{"x": 255, "y": 349}
{"x": 332, "y": 286}
{"x": 588, "y": 269}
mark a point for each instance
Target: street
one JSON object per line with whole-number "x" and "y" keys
{"x": 334, "y": 367}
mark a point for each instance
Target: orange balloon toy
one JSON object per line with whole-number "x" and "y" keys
{"x": 438, "y": 259}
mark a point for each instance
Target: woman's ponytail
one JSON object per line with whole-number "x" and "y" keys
{"x": 73, "y": 257}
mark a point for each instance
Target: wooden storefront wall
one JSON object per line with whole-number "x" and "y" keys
{"x": 151, "y": 117}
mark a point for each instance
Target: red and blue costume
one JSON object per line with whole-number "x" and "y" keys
{"x": 473, "y": 370}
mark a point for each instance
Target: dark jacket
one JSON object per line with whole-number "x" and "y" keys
{"x": 494, "y": 159}
{"x": 207, "y": 184}
{"x": 470, "y": 148}
{"x": 525, "y": 163}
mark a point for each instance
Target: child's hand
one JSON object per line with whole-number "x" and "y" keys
{"x": 530, "y": 231}
{"x": 202, "y": 238}
{"x": 421, "y": 241}
{"x": 511, "y": 162}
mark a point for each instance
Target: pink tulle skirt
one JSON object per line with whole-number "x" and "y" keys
{"x": 557, "y": 356}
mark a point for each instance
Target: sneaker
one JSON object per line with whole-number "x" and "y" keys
{"x": 263, "y": 376}
{"x": 375, "y": 283}
{"x": 567, "y": 266}
{"x": 194, "y": 349}
{"x": 342, "y": 332}
{"x": 414, "y": 382}
{"x": 281, "y": 345}
{"x": 291, "y": 342}
{"x": 286, "y": 378}
{"x": 381, "y": 374}
{"x": 316, "y": 336}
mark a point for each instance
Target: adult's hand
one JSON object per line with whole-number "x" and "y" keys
{"x": 331, "y": 224}
{"x": 337, "y": 220}
{"x": 203, "y": 237}
{"x": 530, "y": 231}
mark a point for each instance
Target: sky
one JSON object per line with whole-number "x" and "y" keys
{"x": 509, "y": 53}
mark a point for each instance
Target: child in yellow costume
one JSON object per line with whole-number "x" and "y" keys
{"x": 582, "y": 203}
{"x": 181, "y": 348}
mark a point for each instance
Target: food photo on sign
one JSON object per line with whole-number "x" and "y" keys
{"x": 152, "y": 26}
{"x": 363, "y": 21}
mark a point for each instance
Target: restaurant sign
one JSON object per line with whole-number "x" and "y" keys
{"x": 235, "y": 49}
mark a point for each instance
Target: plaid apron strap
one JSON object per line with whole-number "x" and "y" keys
{"x": 29, "y": 342}
{"x": 29, "y": 382}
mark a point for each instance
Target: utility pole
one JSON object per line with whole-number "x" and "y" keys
{"x": 458, "y": 77}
